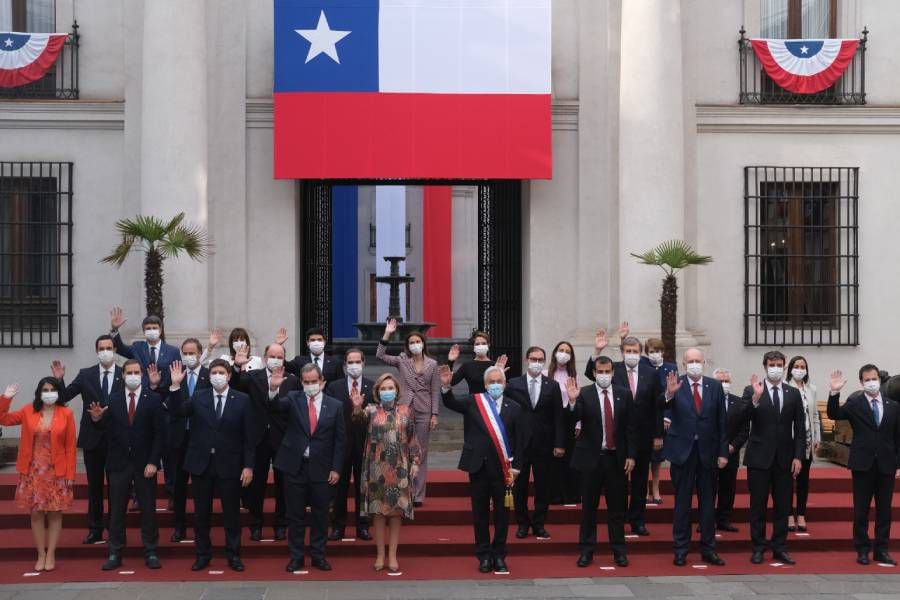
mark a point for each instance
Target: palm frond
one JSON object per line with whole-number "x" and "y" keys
{"x": 174, "y": 222}
{"x": 121, "y": 252}
{"x": 190, "y": 239}
{"x": 672, "y": 256}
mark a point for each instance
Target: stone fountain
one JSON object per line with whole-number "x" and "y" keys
{"x": 373, "y": 331}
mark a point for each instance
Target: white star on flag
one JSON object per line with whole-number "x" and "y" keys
{"x": 323, "y": 39}
{"x": 8, "y": 42}
{"x": 804, "y": 49}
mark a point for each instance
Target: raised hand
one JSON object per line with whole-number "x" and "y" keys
{"x": 673, "y": 384}
{"x": 501, "y": 362}
{"x": 277, "y": 379}
{"x": 96, "y": 411}
{"x": 837, "y": 380}
{"x": 758, "y": 388}
{"x": 246, "y": 477}
{"x": 281, "y": 336}
{"x": 600, "y": 341}
{"x": 176, "y": 373}
{"x": 453, "y": 354}
{"x": 624, "y": 330}
{"x": 446, "y": 375}
{"x": 572, "y": 390}
{"x": 356, "y": 398}
{"x": 116, "y": 318}
{"x": 57, "y": 369}
{"x": 215, "y": 336}
{"x": 390, "y": 327}
{"x": 11, "y": 390}
{"x": 153, "y": 375}
{"x": 242, "y": 357}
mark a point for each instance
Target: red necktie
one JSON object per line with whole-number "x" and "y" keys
{"x": 355, "y": 387}
{"x": 609, "y": 430}
{"x": 313, "y": 420}
{"x": 697, "y": 397}
{"x": 131, "y": 408}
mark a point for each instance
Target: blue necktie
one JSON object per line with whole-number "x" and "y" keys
{"x": 192, "y": 381}
{"x": 876, "y": 412}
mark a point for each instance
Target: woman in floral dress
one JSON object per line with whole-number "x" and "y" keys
{"x": 389, "y": 466}
{"x": 46, "y": 463}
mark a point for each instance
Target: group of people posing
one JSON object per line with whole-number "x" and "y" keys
{"x": 319, "y": 423}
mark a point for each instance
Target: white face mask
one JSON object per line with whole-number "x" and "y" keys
{"x": 151, "y": 335}
{"x": 872, "y": 386}
{"x": 656, "y": 358}
{"x": 238, "y": 345}
{"x": 694, "y": 369}
{"x": 311, "y": 389}
{"x": 603, "y": 380}
{"x": 798, "y": 374}
{"x": 132, "y": 382}
{"x": 354, "y": 370}
{"x": 416, "y": 348}
{"x": 562, "y": 358}
{"x": 218, "y": 381}
{"x": 106, "y": 357}
{"x": 317, "y": 347}
{"x": 49, "y": 397}
{"x": 189, "y": 360}
{"x": 274, "y": 363}
{"x": 775, "y": 374}
{"x": 632, "y": 359}
{"x": 481, "y": 349}
{"x": 726, "y": 387}
{"x": 535, "y": 368}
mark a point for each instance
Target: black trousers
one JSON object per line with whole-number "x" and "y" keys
{"x": 179, "y": 482}
{"x": 867, "y": 485}
{"x": 300, "y": 493}
{"x": 229, "y": 489}
{"x": 256, "y": 491}
{"x": 539, "y": 464}
{"x": 485, "y": 488}
{"x": 687, "y": 478}
{"x": 95, "y": 467}
{"x": 637, "y": 506}
{"x": 120, "y": 486}
{"x": 801, "y": 485}
{"x": 352, "y": 466}
{"x": 778, "y": 482}
{"x": 726, "y": 490}
{"x": 609, "y": 478}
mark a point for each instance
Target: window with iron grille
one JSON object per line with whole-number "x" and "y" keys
{"x": 35, "y": 254}
{"x": 800, "y": 273}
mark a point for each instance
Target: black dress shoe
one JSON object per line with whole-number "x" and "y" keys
{"x": 500, "y": 565}
{"x": 235, "y": 564}
{"x": 727, "y": 527}
{"x": 680, "y": 560}
{"x": 321, "y": 564}
{"x": 363, "y": 534}
{"x": 884, "y": 558}
{"x": 177, "y": 536}
{"x": 783, "y": 557}
{"x": 485, "y": 565}
{"x": 93, "y": 537}
{"x": 255, "y": 534}
{"x": 336, "y": 535}
{"x": 522, "y": 532}
{"x": 113, "y": 562}
{"x": 170, "y": 505}
{"x": 621, "y": 560}
{"x": 280, "y": 533}
{"x": 295, "y": 564}
{"x": 757, "y": 557}
{"x": 862, "y": 558}
{"x": 540, "y": 532}
{"x": 713, "y": 559}
{"x": 417, "y": 504}
{"x": 585, "y": 559}
{"x": 640, "y": 530}
{"x": 201, "y": 563}
{"x": 152, "y": 561}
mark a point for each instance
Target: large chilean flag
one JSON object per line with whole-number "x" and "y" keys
{"x": 369, "y": 89}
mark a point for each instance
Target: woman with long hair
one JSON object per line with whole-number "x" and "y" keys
{"x": 389, "y": 466}
{"x": 561, "y": 369}
{"x": 46, "y": 463}
{"x": 798, "y": 377}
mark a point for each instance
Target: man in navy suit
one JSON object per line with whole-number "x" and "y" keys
{"x": 330, "y": 366}
{"x": 696, "y": 445}
{"x": 219, "y": 455}
{"x": 94, "y": 384}
{"x": 356, "y": 430}
{"x": 151, "y": 350}
{"x": 311, "y": 457}
{"x": 133, "y": 421}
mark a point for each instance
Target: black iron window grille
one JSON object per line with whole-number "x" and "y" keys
{"x": 758, "y": 88}
{"x": 801, "y": 279}
{"x": 35, "y": 254}
{"x": 60, "y": 82}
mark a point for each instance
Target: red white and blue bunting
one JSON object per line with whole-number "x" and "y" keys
{"x": 805, "y": 66}
{"x": 26, "y": 57}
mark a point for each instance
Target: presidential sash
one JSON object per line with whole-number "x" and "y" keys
{"x": 493, "y": 422}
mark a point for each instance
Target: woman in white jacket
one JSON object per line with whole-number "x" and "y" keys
{"x": 798, "y": 377}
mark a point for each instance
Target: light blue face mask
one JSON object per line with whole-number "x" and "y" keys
{"x": 495, "y": 390}
{"x": 387, "y": 398}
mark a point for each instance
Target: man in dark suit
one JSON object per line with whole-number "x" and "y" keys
{"x": 179, "y": 433}
{"x": 874, "y": 458}
{"x": 738, "y": 430}
{"x": 492, "y": 468}
{"x": 354, "y": 449}
{"x": 541, "y": 402}
{"x": 774, "y": 452}
{"x": 151, "y": 350}
{"x": 94, "y": 384}
{"x": 604, "y": 454}
{"x": 330, "y": 366}
{"x": 311, "y": 457}
{"x": 133, "y": 421}
{"x": 641, "y": 379}
{"x": 696, "y": 445}
{"x": 219, "y": 454}
{"x": 268, "y": 429}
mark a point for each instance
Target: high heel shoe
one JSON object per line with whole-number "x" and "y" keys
{"x": 378, "y": 567}
{"x": 801, "y": 527}
{"x": 50, "y": 565}
{"x": 394, "y": 570}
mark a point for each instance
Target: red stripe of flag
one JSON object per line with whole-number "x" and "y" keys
{"x": 437, "y": 239}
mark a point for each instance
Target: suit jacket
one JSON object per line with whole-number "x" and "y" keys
{"x": 332, "y": 367}
{"x": 87, "y": 385}
{"x": 326, "y": 445}
{"x": 140, "y": 350}
{"x": 775, "y": 439}
{"x": 140, "y": 443}
{"x": 544, "y": 425}
{"x": 178, "y": 424}
{"x": 62, "y": 436}
{"x": 648, "y": 399}
{"x": 872, "y": 444}
{"x": 231, "y": 436}
{"x": 478, "y": 447}
{"x": 589, "y": 444}
{"x": 268, "y": 425}
{"x": 708, "y": 427}
{"x": 736, "y": 423}
{"x": 356, "y": 430}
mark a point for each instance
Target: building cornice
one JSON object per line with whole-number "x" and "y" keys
{"x": 62, "y": 115}
{"x": 869, "y": 120}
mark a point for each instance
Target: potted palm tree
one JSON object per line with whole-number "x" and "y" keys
{"x": 671, "y": 256}
{"x": 158, "y": 240}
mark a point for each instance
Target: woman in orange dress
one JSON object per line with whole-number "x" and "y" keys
{"x": 46, "y": 463}
{"x": 390, "y": 463}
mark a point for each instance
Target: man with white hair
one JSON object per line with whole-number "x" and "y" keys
{"x": 493, "y": 443}
{"x": 738, "y": 431}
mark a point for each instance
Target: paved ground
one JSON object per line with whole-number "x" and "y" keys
{"x": 737, "y": 587}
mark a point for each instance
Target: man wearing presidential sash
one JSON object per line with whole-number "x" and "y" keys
{"x": 493, "y": 439}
